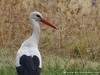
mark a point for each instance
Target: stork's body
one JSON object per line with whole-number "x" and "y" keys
{"x": 28, "y": 59}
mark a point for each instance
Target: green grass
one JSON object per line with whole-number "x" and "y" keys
{"x": 56, "y": 70}
{"x": 53, "y": 64}
{"x": 75, "y": 69}
{"x": 7, "y": 70}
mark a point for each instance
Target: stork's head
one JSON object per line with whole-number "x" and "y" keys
{"x": 39, "y": 18}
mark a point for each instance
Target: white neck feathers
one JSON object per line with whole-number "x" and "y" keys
{"x": 34, "y": 39}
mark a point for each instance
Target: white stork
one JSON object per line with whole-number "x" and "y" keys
{"x": 28, "y": 58}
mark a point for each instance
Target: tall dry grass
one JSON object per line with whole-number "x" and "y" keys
{"x": 78, "y": 22}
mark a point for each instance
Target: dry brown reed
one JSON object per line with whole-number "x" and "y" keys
{"x": 78, "y": 22}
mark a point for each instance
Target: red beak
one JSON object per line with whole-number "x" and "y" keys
{"x": 48, "y": 23}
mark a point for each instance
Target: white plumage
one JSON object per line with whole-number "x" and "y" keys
{"x": 28, "y": 55}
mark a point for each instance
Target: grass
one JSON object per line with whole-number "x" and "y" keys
{"x": 8, "y": 70}
{"x": 57, "y": 70}
{"x": 53, "y": 64}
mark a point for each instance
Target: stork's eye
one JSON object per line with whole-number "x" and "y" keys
{"x": 38, "y": 16}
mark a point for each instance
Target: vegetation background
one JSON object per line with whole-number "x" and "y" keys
{"x": 77, "y": 37}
